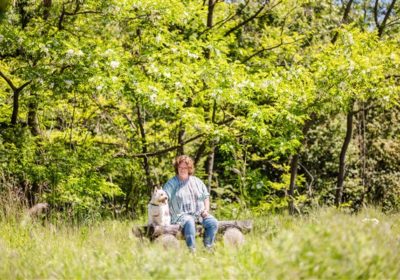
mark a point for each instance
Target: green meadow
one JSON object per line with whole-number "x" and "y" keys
{"x": 326, "y": 244}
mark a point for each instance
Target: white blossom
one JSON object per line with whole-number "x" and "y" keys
{"x": 350, "y": 38}
{"x": 99, "y": 87}
{"x": 153, "y": 68}
{"x": 245, "y": 83}
{"x": 192, "y": 55}
{"x": 153, "y": 89}
{"x": 153, "y": 97}
{"x": 43, "y": 48}
{"x": 70, "y": 53}
{"x": 386, "y": 98}
{"x": 68, "y": 83}
{"x": 178, "y": 85}
{"x": 373, "y": 221}
{"x": 255, "y": 115}
{"x": 114, "y": 64}
{"x": 108, "y": 52}
{"x": 351, "y": 67}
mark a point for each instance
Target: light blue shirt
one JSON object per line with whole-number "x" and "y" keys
{"x": 186, "y": 198}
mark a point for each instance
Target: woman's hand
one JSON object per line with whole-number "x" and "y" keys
{"x": 204, "y": 214}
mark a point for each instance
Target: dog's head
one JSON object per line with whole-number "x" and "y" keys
{"x": 159, "y": 197}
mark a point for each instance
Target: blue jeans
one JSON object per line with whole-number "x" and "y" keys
{"x": 210, "y": 225}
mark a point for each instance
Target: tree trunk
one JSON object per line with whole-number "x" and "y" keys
{"x": 46, "y": 9}
{"x": 33, "y": 122}
{"x": 146, "y": 164}
{"x": 199, "y": 152}
{"x": 347, "y": 139}
{"x": 293, "y": 174}
{"x": 345, "y": 19}
{"x": 210, "y": 15}
{"x": 210, "y": 167}
{"x": 210, "y": 161}
{"x": 363, "y": 153}
{"x": 383, "y": 24}
{"x": 14, "y": 116}
{"x": 181, "y": 135}
{"x": 294, "y": 163}
{"x": 182, "y": 131}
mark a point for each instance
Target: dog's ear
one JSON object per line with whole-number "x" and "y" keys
{"x": 156, "y": 188}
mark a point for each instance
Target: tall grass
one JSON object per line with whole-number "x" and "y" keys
{"x": 326, "y": 244}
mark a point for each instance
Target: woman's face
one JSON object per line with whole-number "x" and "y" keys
{"x": 183, "y": 171}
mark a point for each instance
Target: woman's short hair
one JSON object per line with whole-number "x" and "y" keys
{"x": 184, "y": 159}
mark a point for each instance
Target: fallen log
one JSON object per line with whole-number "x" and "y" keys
{"x": 154, "y": 231}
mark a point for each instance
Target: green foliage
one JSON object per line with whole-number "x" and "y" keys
{"x": 109, "y": 81}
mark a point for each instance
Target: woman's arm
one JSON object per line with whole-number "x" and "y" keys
{"x": 204, "y": 214}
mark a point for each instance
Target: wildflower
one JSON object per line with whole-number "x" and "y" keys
{"x": 153, "y": 97}
{"x": 386, "y": 98}
{"x": 44, "y": 49}
{"x": 114, "y": 64}
{"x": 70, "y": 53}
{"x": 153, "y": 89}
{"x": 108, "y": 52}
{"x": 69, "y": 83}
{"x": 373, "y": 221}
{"x": 192, "y": 55}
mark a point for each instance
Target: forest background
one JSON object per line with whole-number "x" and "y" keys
{"x": 288, "y": 104}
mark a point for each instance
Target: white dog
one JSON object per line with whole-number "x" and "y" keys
{"x": 158, "y": 208}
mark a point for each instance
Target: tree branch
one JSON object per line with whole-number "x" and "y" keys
{"x": 382, "y": 27}
{"x": 393, "y": 22}
{"x": 223, "y": 21}
{"x": 9, "y": 82}
{"x": 24, "y": 85}
{"x": 82, "y": 13}
{"x": 160, "y": 152}
{"x": 344, "y": 19}
{"x": 75, "y": 12}
{"x": 60, "y": 20}
{"x": 270, "y": 48}
{"x": 392, "y": 76}
{"x": 233, "y": 29}
{"x": 376, "y": 14}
